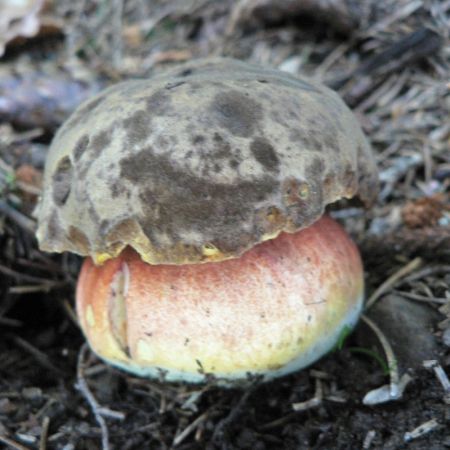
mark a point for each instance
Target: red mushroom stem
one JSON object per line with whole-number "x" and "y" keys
{"x": 277, "y": 308}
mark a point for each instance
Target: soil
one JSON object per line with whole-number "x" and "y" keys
{"x": 391, "y": 65}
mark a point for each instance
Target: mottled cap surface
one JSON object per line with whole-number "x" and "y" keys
{"x": 200, "y": 164}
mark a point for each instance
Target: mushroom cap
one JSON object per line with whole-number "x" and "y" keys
{"x": 200, "y": 164}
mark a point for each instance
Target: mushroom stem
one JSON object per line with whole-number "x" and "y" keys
{"x": 276, "y": 309}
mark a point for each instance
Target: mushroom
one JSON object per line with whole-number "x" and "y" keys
{"x": 199, "y": 198}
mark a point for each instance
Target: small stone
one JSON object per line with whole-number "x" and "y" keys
{"x": 409, "y": 328}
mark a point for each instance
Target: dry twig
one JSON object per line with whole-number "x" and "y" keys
{"x": 179, "y": 438}
{"x": 38, "y": 355}
{"x": 313, "y": 402}
{"x": 13, "y": 444}
{"x": 391, "y": 359}
{"x": 392, "y": 280}
{"x": 83, "y": 388}
{"x": 44, "y": 433}
{"x": 422, "y": 429}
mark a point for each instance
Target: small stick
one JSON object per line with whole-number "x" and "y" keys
{"x": 6, "y": 321}
{"x": 70, "y": 312}
{"x": 111, "y": 414}
{"x": 320, "y": 374}
{"x": 312, "y": 402}
{"x": 19, "y": 276}
{"x": 29, "y": 289}
{"x": 391, "y": 359}
{"x": 234, "y": 413}
{"x": 180, "y": 437}
{"x": 44, "y": 434}
{"x": 441, "y": 376}
{"x": 117, "y": 38}
{"x": 430, "y": 243}
{"x": 422, "y": 298}
{"x": 370, "y": 436}
{"x": 426, "y": 272}
{"x": 23, "y": 221}
{"x": 425, "y": 428}
{"x": 390, "y": 282}
{"x": 12, "y": 443}
{"x": 278, "y": 422}
{"x": 404, "y": 52}
{"x": 336, "y": 399}
{"x": 83, "y": 388}
{"x": 39, "y": 356}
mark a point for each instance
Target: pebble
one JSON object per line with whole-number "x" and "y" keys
{"x": 408, "y": 326}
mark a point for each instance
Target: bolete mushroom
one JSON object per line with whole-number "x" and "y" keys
{"x": 199, "y": 198}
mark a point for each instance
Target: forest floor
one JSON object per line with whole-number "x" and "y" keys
{"x": 390, "y": 62}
